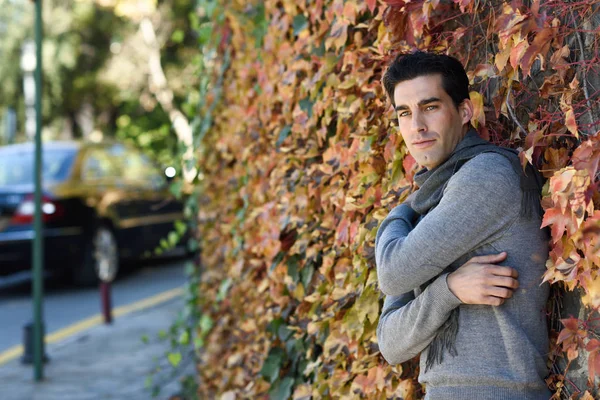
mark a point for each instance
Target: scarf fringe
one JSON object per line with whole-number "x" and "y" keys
{"x": 443, "y": 341}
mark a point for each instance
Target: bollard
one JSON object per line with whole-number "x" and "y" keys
{"x": 106, "y": 303}
{"x": 27, "y": 357}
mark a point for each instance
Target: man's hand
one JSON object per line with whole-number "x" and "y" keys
{"x": 480, "y": 281}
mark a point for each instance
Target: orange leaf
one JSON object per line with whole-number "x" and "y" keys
{"x": 559, "y": 221}
{"x": 570, "y": 121}
{"x": 517, "y": 53}
{"x": 539, "y": 47}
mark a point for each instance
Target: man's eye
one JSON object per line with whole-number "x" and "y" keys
{"x": 429, "y": 108}
{"x": 403, "y": 114}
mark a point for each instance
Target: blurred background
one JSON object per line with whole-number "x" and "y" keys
{"x": 117, "y": 103}
{"x": 99, "y": 58}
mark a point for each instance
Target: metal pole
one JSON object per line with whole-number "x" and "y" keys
{"x": 105, "y": 299}
{"x": 38, "y": 250}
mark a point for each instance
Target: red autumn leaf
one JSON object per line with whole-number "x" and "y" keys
{"x": 409, "y": 164}
{"x": 397, "y": 3}
{"x": 593, "y": 347}
{"x": 517, "y": 53}
{"x": 371, "y": 4}
{"x": 587, "y": 156}
{"x": 342, "y": 231}
{"x": 465, "y": 5}
{"x": 559, "y": 221}
{"x": 570, "y": 323}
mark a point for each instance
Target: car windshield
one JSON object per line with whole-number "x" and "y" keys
{"x": 16, "y": 168}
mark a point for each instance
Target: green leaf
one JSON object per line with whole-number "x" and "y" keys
{"x": 206, "y": 323}
{"x": 178, "y": 36}
{"x": 306, "y": 274}
{"x": 300, "y": 23}
{"x": 173, "y": 238}
{"x": 193, "y": 244}
{"x": 273, "y": 326}
{"x": 204, "y": 33}
{"x": 282, "y": 390}
{"x": 285, "y": 132}
{"x": 272, "y": 365}
{"x": 306, "y": 105}
{"x": 293, "y": 268}
{"x": 180, "y": 227}
{"x": 184, "y": 338}
{"x": 276, "y": 260}
{"x": 223, "y": 288}
{"x": 174, "y": 358}
{"x": 148, "y": 382}
{"x": 284, "y": 333}
{"x": 176, "y": 189}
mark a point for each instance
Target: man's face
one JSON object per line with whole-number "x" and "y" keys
{"x": 429, "y": 122}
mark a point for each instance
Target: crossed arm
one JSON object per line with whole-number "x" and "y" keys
{"x": 408, "y": 256}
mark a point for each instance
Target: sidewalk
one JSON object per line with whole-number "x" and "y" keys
{"x": 104, "y": 362}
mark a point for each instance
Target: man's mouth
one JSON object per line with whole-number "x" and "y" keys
{"x": 421, "y": 144}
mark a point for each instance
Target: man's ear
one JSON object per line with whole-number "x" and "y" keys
{"x": 466, "y": 110}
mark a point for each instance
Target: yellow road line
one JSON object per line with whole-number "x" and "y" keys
{"x": 97, "y": 319}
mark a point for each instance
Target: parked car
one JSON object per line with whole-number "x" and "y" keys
{"x": 102, "y": 203}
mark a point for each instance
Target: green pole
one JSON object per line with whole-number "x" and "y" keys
{"x": 38, "y": 251}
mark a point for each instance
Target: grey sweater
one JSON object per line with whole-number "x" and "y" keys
{"x": 502, "y": 351}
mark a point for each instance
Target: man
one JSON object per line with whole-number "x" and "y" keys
{"x": 461, "y": 260}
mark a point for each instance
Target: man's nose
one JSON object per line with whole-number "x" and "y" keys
{"x": 418, "y": 123}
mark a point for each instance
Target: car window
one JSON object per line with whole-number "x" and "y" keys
{"x": 98, "y": 164}
{"x": 138, "y": 169}
{"x": 18, "y": 167}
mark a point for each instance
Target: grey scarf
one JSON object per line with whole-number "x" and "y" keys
{"x": 431, "y": 188}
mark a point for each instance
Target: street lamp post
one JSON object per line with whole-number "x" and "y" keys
{"x": 28, "y": 65}
{"x": 31, "y": 62}
{"x": 38, "y": 250}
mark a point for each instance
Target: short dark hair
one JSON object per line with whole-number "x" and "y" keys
{"x": 413, "y": 65}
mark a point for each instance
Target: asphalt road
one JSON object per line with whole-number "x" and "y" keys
{"x": 65, "y": 305}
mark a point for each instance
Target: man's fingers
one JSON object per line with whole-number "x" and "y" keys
{"x": 501, "y": 292}
{"x": 501, "y": 270}
{"x": 494, "y": 301}
{"x": 489, "y": 259}
{"x": 504, "y": 281}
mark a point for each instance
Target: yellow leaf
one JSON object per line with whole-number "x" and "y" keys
{"x": 478, "y": 111}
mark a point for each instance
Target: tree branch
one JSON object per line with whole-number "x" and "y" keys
{"x": 164, "y": 95}
{"x": 586, "y": 92}
{"x": 512, "y": 112}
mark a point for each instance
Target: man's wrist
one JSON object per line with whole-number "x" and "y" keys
{"x": 450, "y": 283}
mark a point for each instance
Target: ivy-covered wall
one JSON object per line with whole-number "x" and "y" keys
{"x": 303, "y": 161}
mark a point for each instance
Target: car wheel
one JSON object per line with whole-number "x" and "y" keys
{"x": 101, "y": 258}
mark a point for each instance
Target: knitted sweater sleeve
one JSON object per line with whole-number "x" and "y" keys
{"x": 479, "y": 200}
{"x": 407, "y": 324}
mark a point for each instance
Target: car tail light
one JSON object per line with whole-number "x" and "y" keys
{"x": 51, "y": 210}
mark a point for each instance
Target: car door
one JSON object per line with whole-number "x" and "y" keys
{"x": 109, "y": 196}
{"x": 158, "y": 206}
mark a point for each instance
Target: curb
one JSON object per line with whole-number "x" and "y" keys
{"x": 83, "y": 325}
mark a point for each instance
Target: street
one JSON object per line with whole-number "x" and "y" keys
{"x": 65, "y": 305}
